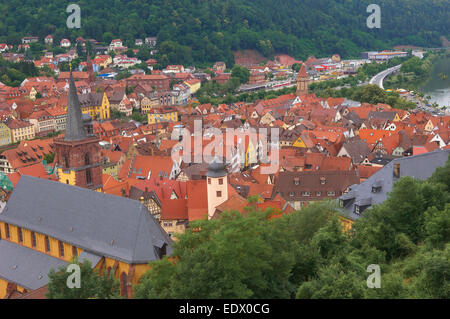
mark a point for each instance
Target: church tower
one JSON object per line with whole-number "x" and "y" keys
{"x": 216, "y": 186}
{"x": 302, "y": 82}
{"x": 78, "y": 153}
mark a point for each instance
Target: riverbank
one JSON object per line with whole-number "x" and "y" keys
{"x": 413, "y": 73}
{"x": 428, "y": 77}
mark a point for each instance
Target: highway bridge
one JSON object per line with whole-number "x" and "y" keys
{"x": 379, "y": 78}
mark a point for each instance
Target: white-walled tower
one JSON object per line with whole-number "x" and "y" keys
{"x": 216, "y": 185}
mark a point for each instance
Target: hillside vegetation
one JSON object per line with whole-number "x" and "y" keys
{"x": 307, "y": 255}
{"x": 200, "y": 31}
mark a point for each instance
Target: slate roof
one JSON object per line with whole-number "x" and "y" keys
{"x": 74, "y": 123}
{"x": 357, "y": 149}
{"x": 24, "y": 266}
{"x": 106, "y": 225}
{"x": 420, "y": 167}
{"x": 91, "y": 99}
{"x": 29, "y": 268}
{"x": 292, "y": 185}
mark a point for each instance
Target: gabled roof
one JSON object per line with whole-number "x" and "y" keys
{"x": 24, "y": 266}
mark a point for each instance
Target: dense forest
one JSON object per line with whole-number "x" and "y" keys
{"x": 201, "y": 31}
{"x": 12, "y": 74}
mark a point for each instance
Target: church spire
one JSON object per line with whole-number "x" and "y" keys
{"x": 74, "y": 125}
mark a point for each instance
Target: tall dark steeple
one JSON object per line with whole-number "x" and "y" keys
{"x": 78, "y": 157}
{"x": 74, "y": 123}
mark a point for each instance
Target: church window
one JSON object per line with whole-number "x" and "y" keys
{"x": 66, "y": 161}
{"x": 7, "y": 231}
{"x": 19, "y": 234}
{"x": 86, "y": 159}
{"x": 88, "y": 177}
{"x": 47, "y": 244}
{"x": 61, "y": 249}
{"x": 33, "y": 239}
{"x": 123, "y": 288}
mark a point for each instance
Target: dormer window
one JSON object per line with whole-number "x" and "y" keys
{"x": 376, "y": 189}
{"x": 397, "y": 170}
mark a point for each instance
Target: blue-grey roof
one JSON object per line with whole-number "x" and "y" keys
{"x": 24, "y": 266}
{"x": 216, "y": 168}
{"x": 106, "y": 225}
{"x": 419, "y": 166}
{"x": 29, "y": 268}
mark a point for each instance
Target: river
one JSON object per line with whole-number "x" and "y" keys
{"x": 436, "y": 87}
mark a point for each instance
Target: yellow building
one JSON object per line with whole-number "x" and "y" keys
{"x": 5, "y": 134}
{"x": 346, "y": 223}
{"x": 33, "y": 93}
{"x": 299, "y": 143}
{"x": 95, "y": 104}
{"x": 194, "y": 85}
{"x": 147, "y": 104}
{"x": 103, "y": 60}
{"x": 158, "y": 115}
{"x": 20, "y": 130}
{"x": 37, "y": 236}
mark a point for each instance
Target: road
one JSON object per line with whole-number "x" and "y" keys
{"x": 379, "y": 78}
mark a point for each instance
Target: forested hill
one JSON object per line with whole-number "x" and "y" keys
{"x": 209, "y": 30}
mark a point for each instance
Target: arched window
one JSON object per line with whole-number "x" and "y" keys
{"x": 86, "y": 159}
{"x": 123, "y": 285}
{"x": 47, "y": 244}
{"x": 88, "y": 177}
{"x": 66, "y": 161}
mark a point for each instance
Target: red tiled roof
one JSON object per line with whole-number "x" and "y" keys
{"x": 174, "y": 209}
{"x": 197, "y": 201}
